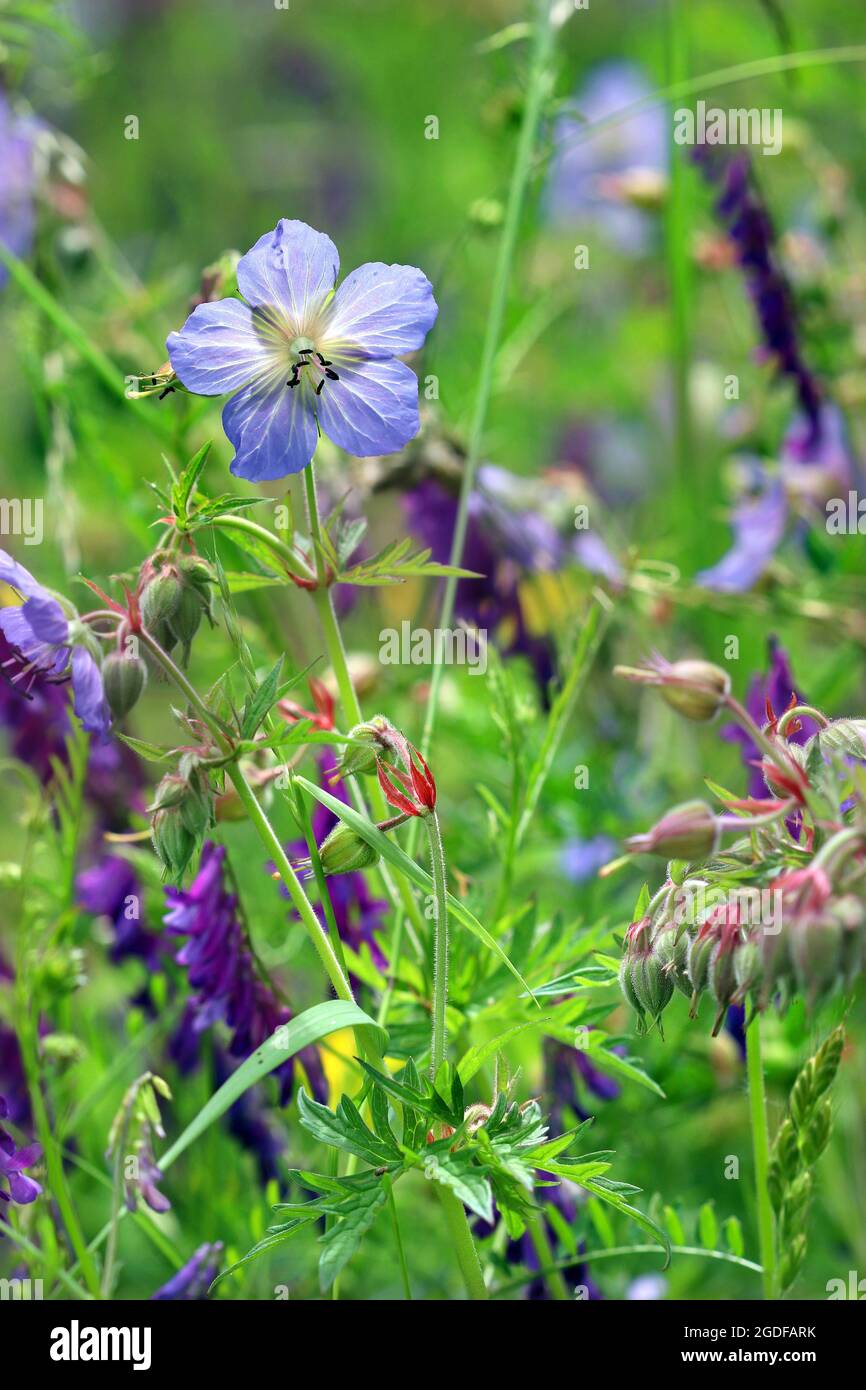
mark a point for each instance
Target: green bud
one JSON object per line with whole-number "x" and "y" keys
{"x": 816, "y": 951}
{"x": 343, "y": 852}
{"x": 186, "y": 619}
{"x": 653, "y": 987}
{"x": 626, "y": 971}
{"x": 698, "y": 704}
{"x": 173, "y": 842}
{"x": 158, "y": 602}
{"x": 361, "y": 761}
{"x": 698, "y": 954}
{"x": 670, "y": 948}
{"x": 844, "y": 735}
{"x": 748, "y": 968}
{"x": 124, "y": 678}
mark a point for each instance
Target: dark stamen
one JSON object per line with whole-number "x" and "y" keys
{"x": 332, "y": 375}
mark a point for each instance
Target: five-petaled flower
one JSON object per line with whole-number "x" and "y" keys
{"x": 301, "y": 358}
{"x": 49, "y": 644}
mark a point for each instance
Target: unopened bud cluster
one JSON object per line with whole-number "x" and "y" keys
{"x": 784, "y": 904}
{"x": 175, "y": 593}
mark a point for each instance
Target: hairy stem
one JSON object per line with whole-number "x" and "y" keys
{"x": 761, "y": 1149}
{"x": 440, "y": 943}
{"x": 464, "y": 1245}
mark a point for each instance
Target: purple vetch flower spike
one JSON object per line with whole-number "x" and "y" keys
{"x": 194, "y": 1279}
{"x": 47, "y": 642}
{"x": 302, "y": 358}
{"x": 13, "y": 1161}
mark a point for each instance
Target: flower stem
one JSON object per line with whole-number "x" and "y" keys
{"x": 536, "y": 91}
{"x": 761, "y": 1149}
{"x": 440, "y": 943}
{"x": 556, "y": 1285}
{"x": 464, "y": 1245}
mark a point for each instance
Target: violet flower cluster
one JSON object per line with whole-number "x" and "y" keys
{"x": 14, "y": 1162}
{"x": 222, "y": 971}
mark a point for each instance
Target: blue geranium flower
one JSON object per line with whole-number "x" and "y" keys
{"x": 43, "y": 639}
{"x": 302, "y": 358}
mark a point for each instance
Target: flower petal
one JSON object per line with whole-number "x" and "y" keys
{"x": 372, "y": 408}
{"x": 88, "y": 696}
{"x": 223, "y": 346}
{"x": 759, "y": 526}
{"x": 382, "y": 310}
{"x": 47, "y": 619}
{"x": 17, "y": 577}
{"x": 289, "y": 272}
{"x": 272, "y": 428}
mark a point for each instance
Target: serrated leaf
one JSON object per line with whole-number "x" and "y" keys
{"x": 258, "y": 704}
{"x": 186, "y": 483}
{"x": 459, "y": 1172}
{"x": 355, "y": 1215}
{"x": 151, "y": 752}
{"x": 474, "y": 1059}
{"x": 344, "y": 1129}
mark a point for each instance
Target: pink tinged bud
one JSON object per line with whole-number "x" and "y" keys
{"x": 721, "y": 976}
{"x": 696, "y": 689}
{"x": 748, "y": 969}
{"x": 689, "y": 832}
{"x": 816, "y": 952}
{"x": 670, "y": 947}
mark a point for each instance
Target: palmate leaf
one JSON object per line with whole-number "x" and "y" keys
{"x": 459, "y": 1171}
{"x": 344, "y": 1128}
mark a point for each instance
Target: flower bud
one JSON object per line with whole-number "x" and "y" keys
{"x": 344, "y": 852}
{"x": 816, "y": 952}
{"x": 844, "y": 735}
{"x": 671, "y": 950}
{"x": 695, "y": 689}
{"x": 185, "y": 621}
{"x": 158, "y": 601}
{"x": 689, "y": 832}
{"x": 123, "y": 678}
{"x": 359, "y": 758}
{"x": 173, "y": 842}
{"x": 647, "y": 979}
{"x": 721, "y": 973}
{"x": 699, "y": 950}
{"x": 748, "y": 969}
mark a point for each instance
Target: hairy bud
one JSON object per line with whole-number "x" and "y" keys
{"x": 124, "y": 678}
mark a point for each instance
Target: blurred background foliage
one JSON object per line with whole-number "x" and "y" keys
{"x": 247, "y": 113}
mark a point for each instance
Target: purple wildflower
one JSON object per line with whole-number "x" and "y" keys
{"x": 222, "y": 971}
{"x": 581, "y": 859}
{"x": 195, "y": 1278}
{"x": 567, "y": 1070}
{"x": 13, "y": 1161}
{"x": 18, "y": 135}
{"x": 604, "y": 178}
{"x": 750, "y": 229}
{"x": 759, "y": 525}
{"x": 43, "y": 636}
{"x": 302, "y": 358}
{"x": 110, "y": 888}
{"x": 500, "y": 546}
{"x": 770, "y": 692}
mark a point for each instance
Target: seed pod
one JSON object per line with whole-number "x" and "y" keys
{"x": 698, "y": 689}
{"x": 344, "y": 852}
{"x": 123, "y": 678}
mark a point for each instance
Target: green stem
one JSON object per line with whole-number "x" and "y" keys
{"x": 556, "y": 1285}
{"x": 401, "y": 1254}
{"x": 464, "y": 1245}
{"x": 536, "y": 90}
{"x": 53, "y": 1160}
{"x": 761, "y": 1148}
{"x": 440, "y": 943}
{"x": 283, "y": 552}
{"x": 679, "y": 264}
